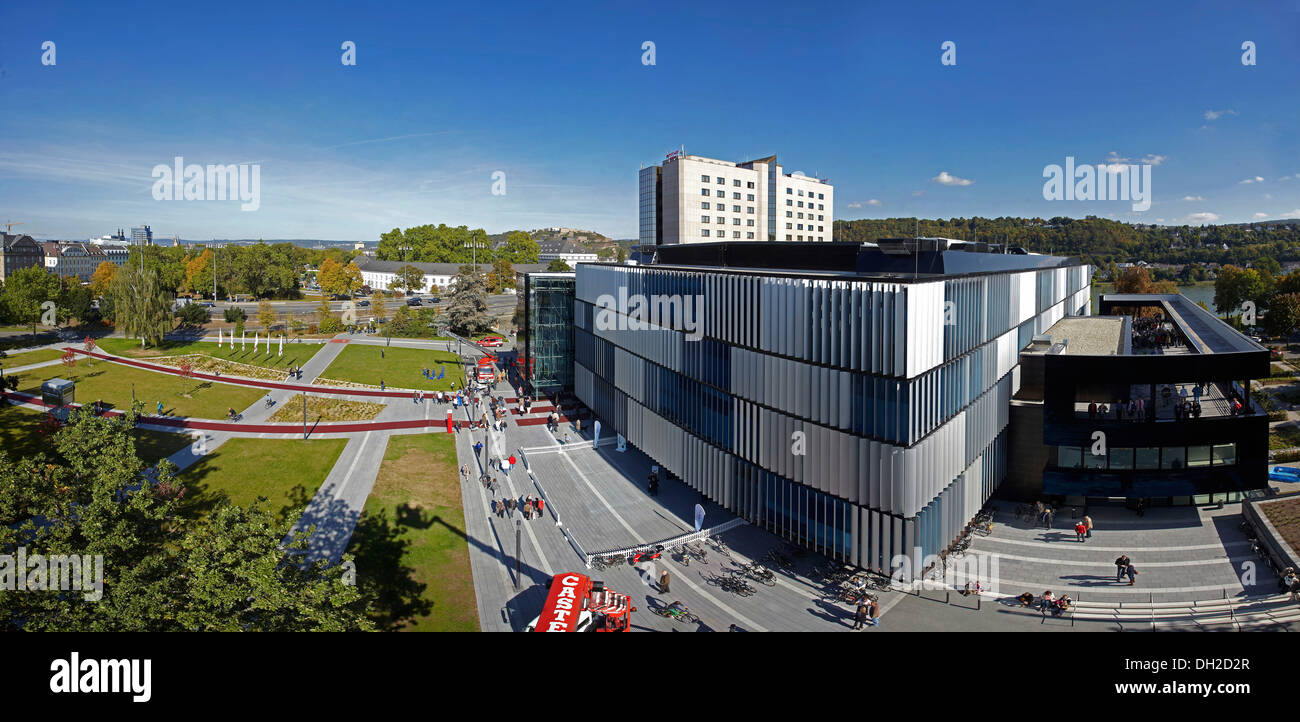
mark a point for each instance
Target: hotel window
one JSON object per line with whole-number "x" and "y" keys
{"x": 705, "y": 233}
{"x": 789, "y": 191}
{"x": 1225, "y": 454}
{"x": 821, "y": 217}
{"x": 788, "y": 226}
{"x": 736, "y": 182}
{"x": 735, "y": 234}
{"x": 749, "y": 222}
{"x": 821, "y": 229}
{"x": 801, "y": 193}
{"x": 704, "y": 219}
{"x": 801, "y": 226}
{"x": 704, "y": 205}
{"x": 722, "y": 181}
{"x": 788, "y": 237}
{"x": 801, "y": 214}
{"x": 704, "y": 191}
{"x": 750, "y": 209}
{"x": 749, "y": 197}
{"x": 735, "y": 221}
{"x": 821, "y": 196}
{"x": 735, "y": 196}
{"x": 721, "y": 219}
{"x": 750, "y": 235}
{"x": 704, "y": 179}
{"x": 800, "y": 238}
{"x": 789, "y": 202}
{"x": 821, "y": 207}
{"x": 789, "y": 214}
{"x": 801, "y": 204}
{"x": 735, "y": 209}
{"x": 749, "y": 184}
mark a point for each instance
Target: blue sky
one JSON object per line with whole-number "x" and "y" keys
{"x": 555, "y": 95}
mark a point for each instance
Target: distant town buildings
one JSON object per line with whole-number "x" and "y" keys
{"x": 75, "y": 260}
{"x": 570, "y": 253}
{"x": 142, "y": 236}
{"x": 692, "y": 199}
{"x": 380, "y": 275}
{"x": 18, "y": 251}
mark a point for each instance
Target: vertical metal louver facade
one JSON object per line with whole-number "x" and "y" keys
{"x": 897, "y": 393}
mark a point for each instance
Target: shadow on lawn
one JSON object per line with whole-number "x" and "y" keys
{"x": 380, "y": 544}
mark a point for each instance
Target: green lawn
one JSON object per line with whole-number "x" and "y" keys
{"x": 412, "y": 534}
{"x": 395, "y": 366}
{"x": 112, "y": 382}
{"x": 295, "y": 354}
{"x": 25, "y": 358}
{"x": 20, "y": 438}
{"x": 286, "y": 471}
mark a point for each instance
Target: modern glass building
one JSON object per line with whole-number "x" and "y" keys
{"x": 545, "y": 307}
{"x": 1152, "y": 404}
{"x": 852, "y": 398}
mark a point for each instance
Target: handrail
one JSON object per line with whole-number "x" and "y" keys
{"x": 671, "y": 542}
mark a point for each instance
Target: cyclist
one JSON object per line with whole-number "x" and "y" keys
{"x": 269, "y": 401}
{"x": 230, "y": 413}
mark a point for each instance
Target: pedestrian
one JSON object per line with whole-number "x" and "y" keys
{"x": 860, "y": 616}
{"x": 1080, "y": 530}
{"x": 1087, "y": 523}
{"x": 663, "y": 582}
{"x": 541, "y": 506}
{"x": 160, "y": 407}
{"x": 1141, "y": 509}
{"x": 873, "y": 613}
{"x": 381, "y": 384}
{"x": 528, "y": 511}
{"x": 464, "y": 471}
{"x": 1132, "y": 573}
{"x": 1050, "y": 513}
{"x": 510, "y": 506}
{"x": 478, "y": 448}
{"x": 494, "y": 508}
{"x": 1120, "y": 564}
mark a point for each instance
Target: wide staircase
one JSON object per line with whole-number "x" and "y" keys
{"x": 1235, "y": 613}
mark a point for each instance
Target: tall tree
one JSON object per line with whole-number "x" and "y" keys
{"x": 501, "y": 277}
{"x": 142, "y": 308}
{"x": 26, "y": 292}
{"x": 408, "y": 278}
{"x": 266, "y": 314}
{"x": 519, "y": 247}
{"x": 102, "y": 276}
{"x": 467, "y": 311}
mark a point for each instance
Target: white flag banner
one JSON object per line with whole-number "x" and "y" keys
{"x": 218, "y": 338}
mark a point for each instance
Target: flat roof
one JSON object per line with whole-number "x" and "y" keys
{"x": 1087, "y": 336}
{"x": 1205, "y": 332}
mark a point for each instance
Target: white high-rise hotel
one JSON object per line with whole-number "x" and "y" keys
{"x": 691, "y": 199}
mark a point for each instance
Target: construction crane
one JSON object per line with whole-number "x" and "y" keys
{"x": 10, "y": 225}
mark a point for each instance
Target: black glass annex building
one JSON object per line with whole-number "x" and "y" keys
{"x": 545, "y": 312}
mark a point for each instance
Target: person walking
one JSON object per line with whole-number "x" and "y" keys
{"x": 540, "y": 506}
{"x": 528, "y": 510}
{"x": 860, "y": 616}
{"x": 1132, "y": 573}
{"x": 478, "y": 449}
{"x": 1079, "y": 531}
{"x": 1087, "y": 524}
{"x": 1120, "y": 564}
{"x": 663, "y": 582}
{"x": 510, "y": 506}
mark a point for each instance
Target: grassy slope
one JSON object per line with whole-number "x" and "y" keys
{"x": 396, "y": 366}
{"x": 286, "y": 471}
{"x": 112, "y": 382}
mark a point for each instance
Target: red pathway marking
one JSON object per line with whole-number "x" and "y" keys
{"x": 339, "y": 340}
{"x": 330, "y": 427}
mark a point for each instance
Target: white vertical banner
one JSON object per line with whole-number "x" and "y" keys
{"x": 699, "y": 517}
{"x": 243, "y": 340}
{"x": 254, "y": 342}
{"x": 595, "y": 439}
{"x": 622, "y": 443}
{"x": 282, "y": 345}
{"x": 218, "y": 338}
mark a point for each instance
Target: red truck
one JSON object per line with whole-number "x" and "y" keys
{"x": 578, "y": 604}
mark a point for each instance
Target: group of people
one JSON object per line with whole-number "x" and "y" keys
{"x": 1151, "y": 332}
{"x": 531, "y": 507}
{"x": 1290, "y": 583}
{"x": 867, "y": 612}
{"x": 1133, "y": 409}
{"x": 1124, "y": 568}
{"x": 1046, "y": 603}
{"x": 295, "y": 372}
{"x": 1083, "y": 529}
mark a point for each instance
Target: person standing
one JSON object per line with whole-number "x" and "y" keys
{"x": 1132, "y": 573}
{"x": 528, "y": 511}
{"x": 873, "y": 613}
{"x": 1079, "y": 531}
{"x": 1087, "y": 523}
{"x": 663, "y": 582}
{"x": 1120, "y": 564}
{"x": 860, "y": 616}
{"x": 540, "y": 506}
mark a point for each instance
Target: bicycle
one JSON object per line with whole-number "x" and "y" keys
{"x": 780, "y": 560}
{"x": 982, "y": 528}
{"x": 720, "y": 546}
{"x": 696, "y": 550}
{"x": 681, "y": 614}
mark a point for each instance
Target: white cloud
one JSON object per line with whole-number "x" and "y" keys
{"x": 1292, "y": 214}
{"x": 1256, "y": 179}
{"x": 855, "y": 205}
{"x": 1216, "y": 114}
{"x": 1193, "y": 198}
{"x": 946, "y": 179}
{"x": 1285, "y": 178}
{"x": 1261, "y": 215}
{"x": 1153, "y": 159}
{"x": 874, "y": 202}
{"x": 1203, "y": 217}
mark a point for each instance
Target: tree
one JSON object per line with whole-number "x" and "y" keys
{"x": 75, "y": 302}
{"x": 266, "y": 315}
{"x": 165, "y": 568}
{"x": 141, "y": 307}
{"x": 558, "y": 266}
{"x": 102, "y": 277}
{"x": 378, "y": 306}
{"x": 1283, "y": 314}
{"x": 409, "y": 278}
{"x": 519, "y": 247}
{"x": 467, "y": 311}
{"x": 192, "y": 314}
{"x": 198, "y": 272}
{"x": 27, "y": 290}
{"x": 501, "y": 277}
